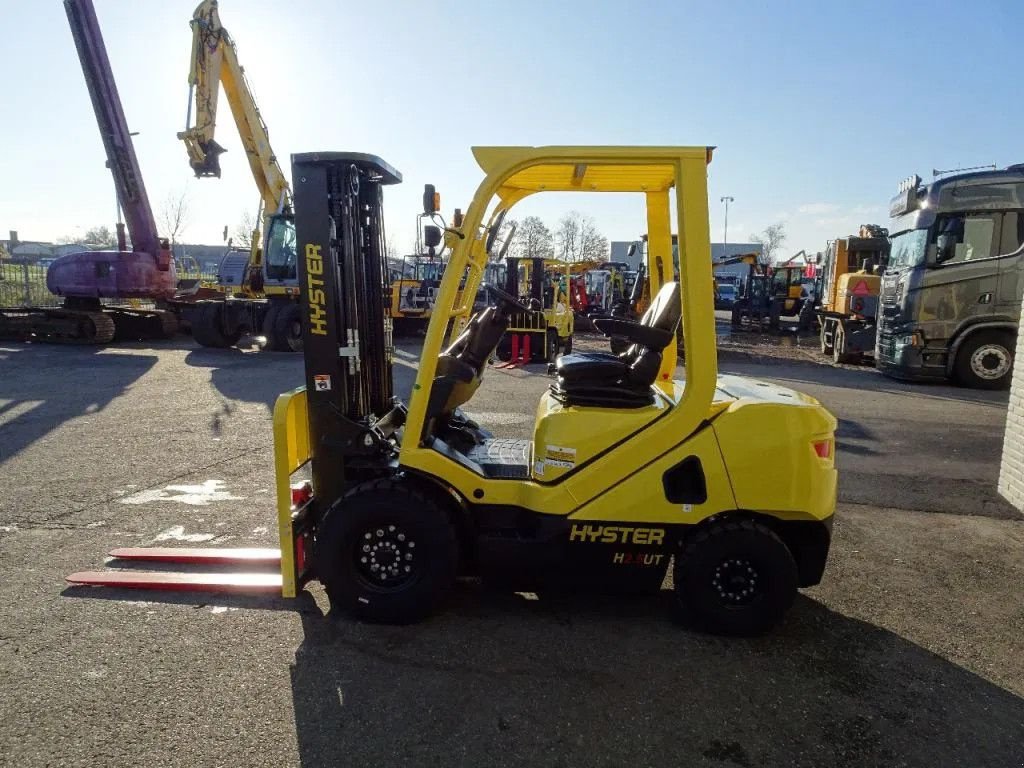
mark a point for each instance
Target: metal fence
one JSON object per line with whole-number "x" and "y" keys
{"x": 24, "y": 285}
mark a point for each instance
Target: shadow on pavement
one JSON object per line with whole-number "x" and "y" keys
{"x": 259, "y": 377}
{"x": 612, "y": 681}
{"x": 43, "y": 386}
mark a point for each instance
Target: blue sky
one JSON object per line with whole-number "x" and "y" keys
{"x": 818, "y": 109}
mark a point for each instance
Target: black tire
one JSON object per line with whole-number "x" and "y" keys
{"x": 407, "y": 529}
{"x": 735, "y": 577}
{"x": 286, "y": 329}
{"x": 268, "y": 324}
{"x": 826, "y": 348}
{"x": 504, "y": 349}
{"x": 839, "y": 354}
{"x": 567, "y": 345}
{"x": 551, "y": 345}
{"x": 985, "y": 360}
{"x": 208, "y": 327}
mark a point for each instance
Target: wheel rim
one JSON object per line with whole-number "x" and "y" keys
{"x": 385, "y": 557}
{"x": 990, "y": 361}
{"x": 737, "y": 582}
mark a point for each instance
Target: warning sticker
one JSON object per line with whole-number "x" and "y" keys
{"x": 559, "y": 456}
{"x": 861, "y": 289}
{"x": 322, "y": 383}
{"x": 538, "y": 468}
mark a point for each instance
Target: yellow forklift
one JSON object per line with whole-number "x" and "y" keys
{"x": 627, "y": 469}
{"x": 544, "y": 327}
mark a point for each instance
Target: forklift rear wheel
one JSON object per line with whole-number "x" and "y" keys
{"x": 386, "y": 553}
{"x": 285, "y": 333}
{"x": 567, "y": 345}
{"x": 735, "y": 577}
{"x": 208, "y": 327}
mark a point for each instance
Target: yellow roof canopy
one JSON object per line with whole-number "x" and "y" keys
{"x": 587, "y": 169}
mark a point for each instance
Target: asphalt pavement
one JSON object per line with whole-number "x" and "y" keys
{"x": 907, "y": 654}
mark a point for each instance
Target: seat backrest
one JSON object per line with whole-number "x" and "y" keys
{"x": 664, "y": 314}
{"x": 665, "y": 311}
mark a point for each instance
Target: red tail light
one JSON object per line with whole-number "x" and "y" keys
{"x": 823, "y": 448}
{"x": 301, "y": 493}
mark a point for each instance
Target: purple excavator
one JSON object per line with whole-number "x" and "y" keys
{"x": 146, "y": 271}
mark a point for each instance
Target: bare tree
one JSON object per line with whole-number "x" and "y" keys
{"x": 509, "y": 228}
{"x": 771, "y": 240}
{"x": 248, "y": 226}
{"x": 174, "y": 215}
{"x": 533, "y": 239}
{"x": 101, "y": 236}
{"x": 578, "y": 239}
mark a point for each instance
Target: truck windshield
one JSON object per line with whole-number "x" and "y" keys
{"x": 908, "y": 249}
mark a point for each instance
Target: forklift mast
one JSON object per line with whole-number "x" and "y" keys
{"x": 343, "y": 282}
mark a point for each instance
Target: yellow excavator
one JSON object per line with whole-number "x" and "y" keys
{"x": 261, "y": 285}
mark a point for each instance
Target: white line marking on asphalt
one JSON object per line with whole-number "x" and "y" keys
{"x": 177, "y": 533}
{"x": 13, "y": 409}
{"x": 194, "y": 495}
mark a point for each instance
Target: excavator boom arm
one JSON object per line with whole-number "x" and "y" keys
{"x": 214, "y": 64}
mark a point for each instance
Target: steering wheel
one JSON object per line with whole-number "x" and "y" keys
{"x": 508, "y": 299}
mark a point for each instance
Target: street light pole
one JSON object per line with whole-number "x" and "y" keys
{"x": 725, "y": 235}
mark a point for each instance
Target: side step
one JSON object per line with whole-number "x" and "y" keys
{"x": 198, "y": 556}
{"x": 180, "y": 582}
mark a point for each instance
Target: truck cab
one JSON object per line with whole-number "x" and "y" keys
{"x": 951, "y": 293}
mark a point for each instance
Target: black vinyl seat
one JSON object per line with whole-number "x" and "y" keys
{"x": 606, "y": 380}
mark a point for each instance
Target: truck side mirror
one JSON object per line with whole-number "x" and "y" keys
{"x": 431, "y": 236}
{"x": 631, "y": 250}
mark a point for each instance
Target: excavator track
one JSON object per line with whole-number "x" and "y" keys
{"x": 56, "y": 326}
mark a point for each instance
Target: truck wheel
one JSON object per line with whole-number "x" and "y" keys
{"x": 839, "y": 354}
{"x": 735, "y": 577}
{"x": 826, "y": 348}
{"x": 286, "y": 328}
{"x": 985, "y": 361}
{"x": 208, "y": 327}
{"x": 386, "y": 553}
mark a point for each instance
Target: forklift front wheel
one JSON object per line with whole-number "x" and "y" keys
{"x": 735, "y": 577}
{"x": 386, "y": 553}
{"x": 551, "y": 349}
